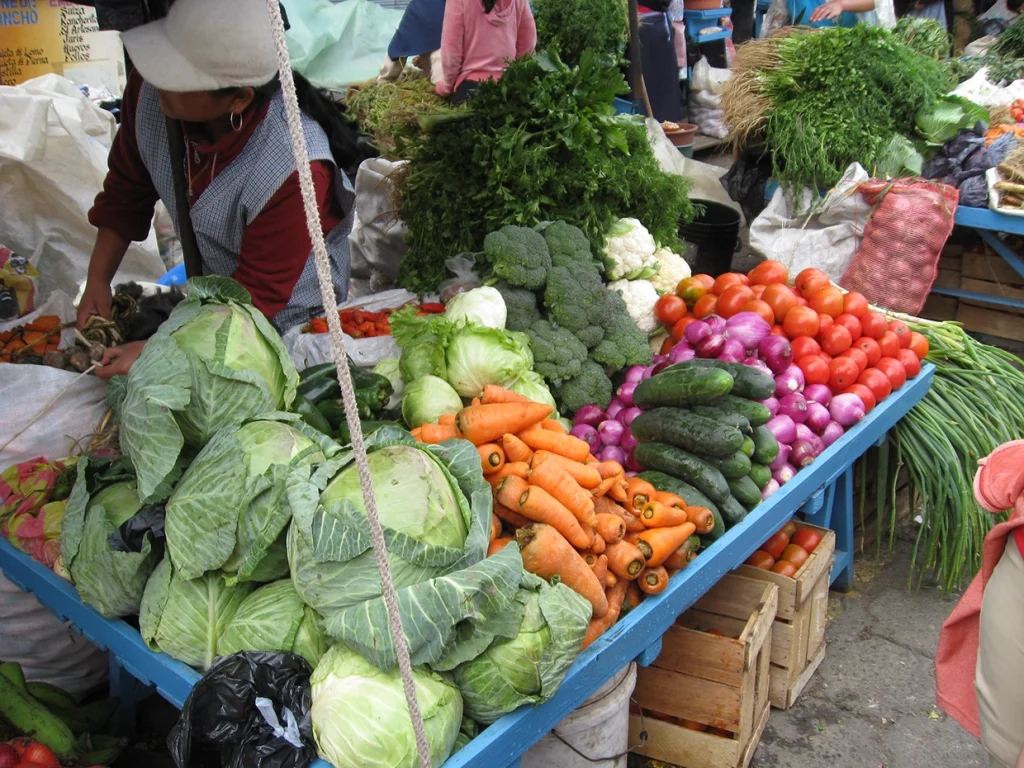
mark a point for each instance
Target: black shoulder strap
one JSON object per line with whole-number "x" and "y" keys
{"x": 187, "y": 235}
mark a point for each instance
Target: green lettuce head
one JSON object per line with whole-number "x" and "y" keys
{"x": 434, "y": 508}
{"x": 215, "y": 362}
{"x": 273, "y": 618}
{"x": 103, "y": 499}
{"x": 531, "y": 384}
{"x": 231, "y": 507}
{"x": 478, "y": 356}
{"x": 360, "y": 716}
{"x": 427, "y": 399}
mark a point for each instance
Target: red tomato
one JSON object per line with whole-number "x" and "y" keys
{"x": 761, "y": 559}
{"x": 759, "y": 292}
{"x": 919, "y": 344}
{"x": 835, "y": 340}
{"x": 690, "y": 289}
{"x": 780, "y": 298}
{"x": 873, "y": 325}
{"x": 866, "y": 396}
{"x": 778, "y": 330}
{"x": 795, "y": 554}
{"x": 807, "y": 539}
{"x": 858, "y": 356}
{"x": 706, "y": 280}
{"x": 679, "y": 326}
{"x": 802, "y": 302}
{"x": 728, "y": 280}
{"x": 810, "y": 281}
{"x": 705, "y": 306}
{"x": 894, "y": 370}
{"x": 877, "y": 382}
{"x": 850, "y": 323}
{"x": 776, "y": 544}
{"x": 666, "y": 345}
{"x": 824, "y": 323}
{"x": 759, "y": 308}
{"x": 844, "y": 373}
{"x": 732, "y": 299}
{"x": 669, "y": 309}
{"x": 870, "y": 347}
{"x": 784, "y": 568}
{"x": 855, "y": 304}
{"x": 801, "y": 321}
{"x": 826, "y": 357}
{"x": 768, "y": 272}
{"x": 816, "y": 370}
{"x": 827, "y": 301}
{"x": 889, "y": 344}
{"x": 902, "y": 331}
{"x": 41, "y": 754}
{"x": 789, "y": 528}
{"x": 910, "y": 362}
{"x": 805, "y": 346}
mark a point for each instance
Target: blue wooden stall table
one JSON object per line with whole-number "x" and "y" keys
{"x": 822, "y": 489}
{"x": 759, "y": 12}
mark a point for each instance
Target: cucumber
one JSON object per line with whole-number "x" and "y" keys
{"x": 683, "y": 429}
{"x": 749, "y": 382}
{"x": 679, "y": 463}
{"x": 698, "y": 386}
{"x": 745, "y": 492}
{"x": 747, "y": 448}
{"x": 755, "y": 413}
{"x": 761, "y": 475}
{"x": 737, "y": 420}
{"x": 732, "y": 511}
{"x": 766, "y": 447}
{"x": 690, "y": 495}
{"x": 732, "y": 467}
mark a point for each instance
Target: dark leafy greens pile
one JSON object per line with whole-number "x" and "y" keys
{"x": 926, "y": 36}
{"x": 570, "y": 27}
{"x": 541, "y": 144}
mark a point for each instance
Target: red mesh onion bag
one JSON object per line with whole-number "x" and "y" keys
{"x": 899, "y": 254}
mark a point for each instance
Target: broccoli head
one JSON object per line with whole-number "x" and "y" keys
{"x": 557, "y": 354}
{"x": 567, "y": 245}
{"x": 518, "y": 255}
{"x": 574, "y": 298}
{"x": 520, "y": 306}
{"x": 624, "y": 344}
{"x": 591, "y": 386}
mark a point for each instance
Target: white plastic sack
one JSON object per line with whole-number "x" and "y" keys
{"x": 53, "y": 159}
{"x": 708, "y": 78}
{"x": 981, "y": 91}
{"x": 378, "y": 236}
{"x": 707, "y": 99}
{"x": 705, "y": 179}
{"x": 827, "y": 237}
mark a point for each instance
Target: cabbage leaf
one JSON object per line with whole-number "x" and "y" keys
{"x": 943, "y": 120}
{"x": 273, "y": 618}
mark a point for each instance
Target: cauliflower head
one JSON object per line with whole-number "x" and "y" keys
{"x": 629, "y": 251}
{"x": 672, "y": 269}
{"x": 640, "y": 297}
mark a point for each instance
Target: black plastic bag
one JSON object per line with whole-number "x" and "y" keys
{"x": 745, "y": 182}
{"x": 132, "y": 534}
{"x": 220, "y": 724}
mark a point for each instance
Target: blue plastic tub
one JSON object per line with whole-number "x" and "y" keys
{"x": 176, "y": 276}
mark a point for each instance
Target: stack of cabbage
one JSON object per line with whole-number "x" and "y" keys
{"x": 265, "y": 544}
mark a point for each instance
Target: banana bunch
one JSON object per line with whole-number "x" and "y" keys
{"x": 51, "y": 716}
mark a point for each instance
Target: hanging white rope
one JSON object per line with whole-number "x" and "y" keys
{"x": 323, "y": 271}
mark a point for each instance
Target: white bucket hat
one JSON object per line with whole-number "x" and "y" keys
{"x": 204, "y": 45}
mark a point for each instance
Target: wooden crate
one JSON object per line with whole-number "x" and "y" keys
{"x": 720, "y": 682}
{"x": 798, "y": 637}
{"x": 987, "y": 273}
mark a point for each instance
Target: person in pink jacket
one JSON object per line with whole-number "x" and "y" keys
{"x": 478, "y": 39}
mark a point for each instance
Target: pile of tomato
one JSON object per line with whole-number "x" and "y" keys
{"x": 837, "y": 339}
{"x": 786, "y": 550}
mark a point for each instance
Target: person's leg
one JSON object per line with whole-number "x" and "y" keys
{"x": 464, "y": 92}
{"x": 1000, "y": 671}
{"x": 742, "y": 20}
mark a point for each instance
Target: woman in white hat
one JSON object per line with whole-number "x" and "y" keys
{"x": 211, "y": 65}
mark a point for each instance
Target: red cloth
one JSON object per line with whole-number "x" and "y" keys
{"x": 999, "y": 485}
{"x": 275, "y": 245}
{"x": 476, "y": 45}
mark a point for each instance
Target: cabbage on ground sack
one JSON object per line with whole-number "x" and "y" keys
{"x": 105, "y": 497}
{"x": 186, "y": 619}
{"x": 360, "y": 716}
{"x": 528, "y": 666}
{"x": 273, "y": 618}
{"x": 215, "y": 362}
{"x": 435, "y": 510}
{"x": 231, "y": 506}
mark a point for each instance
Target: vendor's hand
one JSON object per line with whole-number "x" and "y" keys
{"x": 117, "y": 361}
{"x": 96, "y": 300}
{"x": 826, "y": 11}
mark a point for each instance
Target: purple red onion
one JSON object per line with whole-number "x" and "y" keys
{"x": 831, "y": 433}
{"x": 786, "y": 383}
{"x": 803, "y": 432}
{"x": 696, "y": 331}
{"x": 847, "y": 409}
{"x": 818, "y": 393}
{"x": 771, "y": 489}
{"x": 612, "y": 453}
{"x": 772, "y": 404}
{"x": 748, "y": 328}
{"x": 627, "y": 415}
{"x": 818, "y": 416}
{"x": 783, "y": 428}
{"x": 625, "y": 393}
{"x": 802, "y": 454}
{"x": 589, "y": 414}
{"x": 680, "y": 353}
{"x": 628, "y": 442}
{"x": 635, "y": 373}
{"x": 734, "y": 348}
{"x": 784, "y": 474}
{"x": 794, "y": 405}
{"x": 716, "y": 323}
{"x": 776, "y": 352}
{"x": 782, "y": 459}
{"x": 587, "y": 434}
{"x": 711, "y": 347}
{"x": 611, "y": 432}
{"x": 614, "y": 408}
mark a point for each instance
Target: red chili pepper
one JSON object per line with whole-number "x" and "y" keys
{"x": 432, "y": 308}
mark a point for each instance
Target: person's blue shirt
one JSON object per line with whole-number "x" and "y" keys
{"x": 806, "y": 7}
{"x": 419, "y": 31}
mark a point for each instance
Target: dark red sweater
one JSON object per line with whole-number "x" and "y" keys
{"x": 275, "y": 246}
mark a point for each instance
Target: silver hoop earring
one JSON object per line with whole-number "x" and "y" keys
{"x": 236, "y": 127}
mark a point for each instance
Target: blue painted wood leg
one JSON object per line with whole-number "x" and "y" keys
{"x": 130, "y": 692}
{"x": 842, "y": 524}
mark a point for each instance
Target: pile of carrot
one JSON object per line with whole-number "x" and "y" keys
{"x": 611, "y": 538}
{"x": 364, "y": 324}
{"x": 31, "y": 341}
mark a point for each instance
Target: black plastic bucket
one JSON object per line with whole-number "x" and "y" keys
{"x": 716, "y": 234}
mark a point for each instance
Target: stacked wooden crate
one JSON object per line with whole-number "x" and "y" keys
{"x": 939, "y": 307}
{"x": 989, "y": 274}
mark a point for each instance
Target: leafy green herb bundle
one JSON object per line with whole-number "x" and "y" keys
{"x": 926, "y": 36}
{"x": 543, "y": 143}
{"x": 570, "y": 27}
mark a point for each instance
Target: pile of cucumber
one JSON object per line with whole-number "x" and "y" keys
{"x": 702, "y": 436}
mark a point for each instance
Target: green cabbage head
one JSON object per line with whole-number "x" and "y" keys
{"x": 427, "y": 399}
{"x": 273, "y": 618}
{"x": 478, "y": 356}
{"x": 215, "y": 362}
{"x": 360, "y": 716}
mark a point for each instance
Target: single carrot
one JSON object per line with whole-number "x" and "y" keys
{"x": 609, "y": 469}
{"x": 591, "y": 461}
{"x": 598, "y": 546}
{"x": 599, "y": 625}
{"x": 610, "y": 580}
{"x": 658, "y": 543}
{"x": 564, "y": 445}
{"x": 653, "y": 580}
{"x": 638, "y": 493}
{"x": 702, "y": 518}
{"x": 514, "y": 468}
{"x": 483, "y": 423}
{"x": 538, "y": 505}
{"x": 605, "y": 506}
{"x": 559, "y": 483}
{"x": 624, "y": 560}
{"x": 586, "y": 476}
{"x": 603, "y": 488}
{"x": 618, "y": 489}
{"x": 416, "y": 432}
{"x": 508, "y": 516}
{"x": 498, "y": 544}
{"x": 495, "y": 394}
{"x": 546, "y": 553}
{"x": 610, "y": 527}
{"x": 437, "y": 433}
{"x": 495, "y": 526}
{"x": 492, "y": 458}
{"x": 669, "y": 499}
{"x": 446, "y": 419}
{"x": 633, "y": 597}
{"x": 599, "y": 566}
{"x": 515, "y": 449}
{"x": 692, "y": 548}
{"x": 678, "y": 559}
{"x": 551, "y": 425}
{"x": 634, "y": 526}
{"x": 475, "y": 401}
{"x": 632, "y": 537}
{"x": 654, "y": 514}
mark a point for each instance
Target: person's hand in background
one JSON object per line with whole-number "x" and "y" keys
{"x": 96, "y": 300}
{"x": 117, "y": 361}
{"x": 830, "y": 10}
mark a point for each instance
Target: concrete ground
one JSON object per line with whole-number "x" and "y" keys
{"x": 872, "y": 702}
